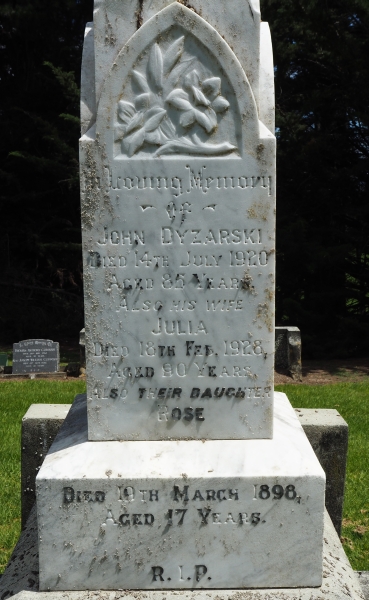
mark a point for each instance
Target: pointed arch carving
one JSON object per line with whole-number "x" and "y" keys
{"x": 177, "y": 88}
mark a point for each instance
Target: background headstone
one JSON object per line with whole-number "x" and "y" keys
{"x": 36, "y": 356}
{"x": 288, "y": 351}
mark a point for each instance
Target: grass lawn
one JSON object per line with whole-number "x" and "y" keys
{"x": 350, "y": 399}
{"x": 15, "y": 399}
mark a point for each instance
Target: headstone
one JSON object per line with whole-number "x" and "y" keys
{"x": 35, "y": 356}
{"x": 82, "y": 347}
{"x": 288, "y": 351}
{"x": 178, "y": 236}
{"x": 181, "y": 473}
{"x": 3, "y": 359}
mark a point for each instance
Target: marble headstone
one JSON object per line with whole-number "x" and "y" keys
{"x": 35, "y": 356}
{"x": 178, "y": 220}
{"x": 176, "y": 472}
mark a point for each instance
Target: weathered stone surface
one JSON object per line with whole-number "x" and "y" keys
{"x": 82, "y": 347}
{"x": 266, "y": 98}
{"x": 40, "y": 425}
{"x": 11, "y": 376}
{"x": 288, "y": 350}
{"x": 178, "y": 200}
{"x": 364, "y": 582}
{"x": 58, "y": 375}
{"x": 44, "y": 420}
{"x": 20, "y": 579}
{"x": 35, "y": 356}
{"x": 88, "y": 96}
{"x": 237, "y": 21}
{"x": 152, "y": 515}
{"x": 327, "y": 432}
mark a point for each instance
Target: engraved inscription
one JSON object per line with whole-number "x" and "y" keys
{"x": 194, "y": 181}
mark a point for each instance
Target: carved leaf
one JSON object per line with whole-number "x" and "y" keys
{"x": 187, "y": 118}
{"x": 135, "y": 122}
{"x": 153, "y": 122}
{"x": 152, "y": 111}
{"x": 206, "y": 119}
{"x": 191, "y": 79}
{"x": 134, "y": 141}
{"x": 119, "y": 132}
{"x": 179, "y": 99}
{"x": 126, "y": 110}
{"x": 211, "y": 87}
{"x": 168, "y": 128}
{"x": 212, "y": 117}
{"x": 142, "y": 101}
{"x": 154, "y": 137}
{"x": 179, "y": 70}
{"x": 173, "y": 54}
{"x": 155, "y": 68}
{"x": 220, "y": 104}
{"x": 199, "y": 97}
{"x": 141, "y": 81}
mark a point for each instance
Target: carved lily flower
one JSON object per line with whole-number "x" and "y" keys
{"x": 200, "y": 102}
{"x": 140, "y": 123}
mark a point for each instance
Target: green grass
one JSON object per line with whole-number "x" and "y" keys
{"x": 352, "y": 402}
{"x": 350, "y": 399}
{"x": 15, "y": 399}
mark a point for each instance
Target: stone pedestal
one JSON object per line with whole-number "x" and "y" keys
{"x": 181, "y": 514}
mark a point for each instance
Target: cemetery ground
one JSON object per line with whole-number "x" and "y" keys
{"x": 339, "y": 384}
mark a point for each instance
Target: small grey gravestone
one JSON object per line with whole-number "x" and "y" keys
{"x": 36, "y": 356}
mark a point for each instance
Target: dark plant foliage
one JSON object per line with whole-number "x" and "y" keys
{"x": 321, "y": 54}
{"x": 40, "y": 245}
{"x": 322, "y": 96}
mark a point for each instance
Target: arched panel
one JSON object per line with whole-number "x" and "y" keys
{"x": 176, "y": 88}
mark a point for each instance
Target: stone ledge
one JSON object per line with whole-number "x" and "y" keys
{"x": 58, "y": 375}
{"x": 327, "y": 433}
{"x": 40, "y": 425}
{"x": 364, "y": 582}
{"x": 20, "y": 579}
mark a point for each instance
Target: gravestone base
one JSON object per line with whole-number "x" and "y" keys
{"x": 57, "y": 375}
{"x": 180, "y": 514}
{"x": 21, "y": 581}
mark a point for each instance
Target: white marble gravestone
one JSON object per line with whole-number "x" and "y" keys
{"x": 178, "y": 213}
{"x": 179, "y": 474}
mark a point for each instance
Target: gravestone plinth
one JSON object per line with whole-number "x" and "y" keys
{"x": 180, "y": 515}
{"x": 179, "y": 474}
{"x": 35, "y": 356}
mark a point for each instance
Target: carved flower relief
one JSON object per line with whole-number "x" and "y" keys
{"x": 140, "y": 124}
{"x": 167, "y": 84}
{"x": 200, "y": 102}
